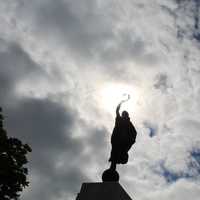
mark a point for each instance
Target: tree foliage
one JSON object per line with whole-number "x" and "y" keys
{"x": 13, "y": 173}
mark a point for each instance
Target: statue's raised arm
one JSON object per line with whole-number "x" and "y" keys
{"x": 119, "y": 105}
{"x": 117, "y": 109}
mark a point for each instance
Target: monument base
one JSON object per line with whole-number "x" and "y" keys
{"x": 102, "y": 191}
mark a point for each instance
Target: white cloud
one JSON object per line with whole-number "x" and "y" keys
{"x": 58, "y": 56}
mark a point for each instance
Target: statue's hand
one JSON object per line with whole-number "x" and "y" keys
{"x": 124, "y": 100}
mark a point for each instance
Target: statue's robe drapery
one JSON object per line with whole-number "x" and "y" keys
{"x": 123, "y": 137}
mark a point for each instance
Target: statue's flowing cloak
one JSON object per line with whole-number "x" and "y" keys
{"x": 123, "y": 137}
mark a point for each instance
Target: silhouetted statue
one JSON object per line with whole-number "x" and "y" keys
{"x": 123, "y": 137}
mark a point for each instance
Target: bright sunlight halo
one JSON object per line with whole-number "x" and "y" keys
{"x": 112, "y": 94}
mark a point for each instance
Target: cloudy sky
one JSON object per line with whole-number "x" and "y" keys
{"x": 64, "y": 66}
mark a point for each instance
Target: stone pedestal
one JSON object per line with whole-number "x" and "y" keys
{"x": 102, "y": 191}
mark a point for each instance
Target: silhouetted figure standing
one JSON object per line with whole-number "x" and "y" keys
{"x": 123, "y": 137}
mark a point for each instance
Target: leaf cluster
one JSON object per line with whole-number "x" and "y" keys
{"x": 13, "y": 173}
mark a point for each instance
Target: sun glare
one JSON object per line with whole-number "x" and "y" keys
{"x": 112, "y": 94}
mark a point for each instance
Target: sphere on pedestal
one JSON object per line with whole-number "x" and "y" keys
{"x": 110, "y": 175}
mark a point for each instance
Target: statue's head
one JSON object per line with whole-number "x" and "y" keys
{"x": 125, "y": 115}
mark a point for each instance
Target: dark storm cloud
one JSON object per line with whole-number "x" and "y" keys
{"x": 15, "y": 65}
{"x": 47, "y": 126}
{"x": 98, "y": 136}
{"x": 44, "y": 121}
{"x": 98, "y": 142}
{"x": 58, "y": 184}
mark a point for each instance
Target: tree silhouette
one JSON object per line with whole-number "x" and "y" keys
{"x": 13, "y": 174}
